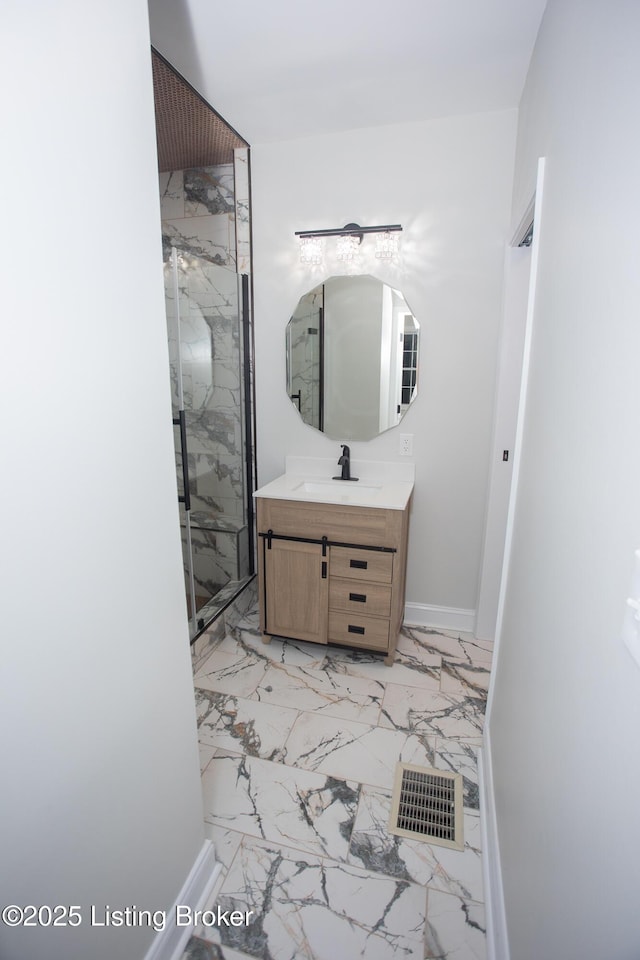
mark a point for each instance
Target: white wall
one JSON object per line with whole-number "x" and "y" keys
{"x": 100, "y": 787}
{"x": 566, "y": 706}
{"x": 449, "y": 183}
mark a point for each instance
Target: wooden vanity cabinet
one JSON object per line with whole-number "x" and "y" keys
{"x": 332, "y": 573}
{"x": 296, "y": 590}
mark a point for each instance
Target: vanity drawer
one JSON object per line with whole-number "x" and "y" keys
{"x": 361, "y": 564}
{"x": 358, "y": 631}
{"x": 360, "y": 599}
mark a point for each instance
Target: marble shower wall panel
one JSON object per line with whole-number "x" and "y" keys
{"x": 209, "y": 191}
{"x": 171, "y": 309}
{"x": 215, "y": 559}
{"x": 172, "y": 195}
{"x": 217, "y": 484}
{"x": 198, "y": 213}
{"x": 200, "y": 210}
{"x": 243, "y": 231}
{"x": 243, "y": 266}
{"x": 232, "y": 615}
{"x": 210, "y": 343}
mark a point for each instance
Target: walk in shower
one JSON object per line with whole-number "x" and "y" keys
{"x": 206, "y": 238}
{"x": 207, "y": 330}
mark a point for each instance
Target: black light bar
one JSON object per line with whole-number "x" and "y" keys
{"x": 350, "y": 230}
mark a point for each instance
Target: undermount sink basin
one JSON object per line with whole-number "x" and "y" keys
{"x": 338, "y": 489}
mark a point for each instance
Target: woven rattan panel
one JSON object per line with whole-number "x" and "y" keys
{"x": 189, "y": 133}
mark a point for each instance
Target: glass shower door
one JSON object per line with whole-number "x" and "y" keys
{"x": 206, "y": 354}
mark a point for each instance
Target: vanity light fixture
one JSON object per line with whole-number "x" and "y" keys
{"x": 349, "y": 239}
{"x": 347, "y": 245}
{"x": 311, "y": 249}
{"x": 386, "y": 245}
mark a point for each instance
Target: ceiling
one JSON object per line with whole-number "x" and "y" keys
{"x": 285, "y": 69}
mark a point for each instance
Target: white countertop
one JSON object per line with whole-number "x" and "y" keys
{"x": 310, "y": 479}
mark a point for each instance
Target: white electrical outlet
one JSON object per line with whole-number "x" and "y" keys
{"x": 406, "y": 444}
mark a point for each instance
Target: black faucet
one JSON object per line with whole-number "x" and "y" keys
{"x": 345, "y": 463}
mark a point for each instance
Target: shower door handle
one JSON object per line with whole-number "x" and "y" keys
{"x": 180, "y": 422}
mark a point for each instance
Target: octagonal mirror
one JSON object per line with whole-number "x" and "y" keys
{"x": 352, "y": 357}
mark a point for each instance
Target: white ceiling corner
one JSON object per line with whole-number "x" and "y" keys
{"x": 289, "y": 68}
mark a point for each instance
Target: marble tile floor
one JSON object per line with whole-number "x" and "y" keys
{"x": 299, "y": 745}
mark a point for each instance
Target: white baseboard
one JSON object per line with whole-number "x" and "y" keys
{"x": 170, "y": 943}
{"x": 447, "y": 618}
{"x": 497, "y": 937}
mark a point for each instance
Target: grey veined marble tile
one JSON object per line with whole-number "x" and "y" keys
{"x": 200, "y": 949}
{"x": 245, "y": 726}
{"x": 455, "y": 929}
{"x": 206, "y": 237}
{"x": 312, "y": 909}
{"x": 270, "y": 801}
{"x": 470, "y": 679}
{"x": 171, "y": 195}
{"x": 451, "y": 871}
{"x": 202, "y": 648}
{"x": 450, "y": 715}
{"x": 358, "y": 751}
{"x": 209, "y": 190}
{"x": 461, "y": 756}
{"x": 206, "y": 752}
{"x": 245, "y": 640}
{"x": 323, "y": 692}
{"x": 458, "y": 646}
{"x": 231, "y": 669}
{"x": 237, "y": 611}
{"x": 410, "y": 670}
{"x": 225, "y": 843}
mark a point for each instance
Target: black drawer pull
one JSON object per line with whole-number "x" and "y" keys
{"x": 359, "y": 564}
{"x": 358, "y": 597}
{"x": 352, "y": 629}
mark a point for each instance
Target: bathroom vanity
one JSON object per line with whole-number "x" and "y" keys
{"x": 332, "y": 554}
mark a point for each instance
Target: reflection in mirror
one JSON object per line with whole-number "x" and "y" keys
{"x": 352, "y": 357}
